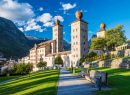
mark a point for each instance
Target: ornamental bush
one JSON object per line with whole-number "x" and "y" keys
{"x": 42, "y": 64}
{"x": 58, "y": 60}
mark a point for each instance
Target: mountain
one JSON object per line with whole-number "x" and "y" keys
{"x": 67, "y": 46}
{"x": 12, "y": 41}
{"x": 36, "y": 39}
{"x": 89, "y": 42}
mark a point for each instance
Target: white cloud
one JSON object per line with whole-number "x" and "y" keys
{"x": 59, "y": 17}
{"x": 32, "y": 25}
{"x": 21, "y": 29}
{"x": 48, "y": 24}
{"x": 48, "y": 20}
{"x": 15, "y": 11}
{"x": 63, "y": 32}
{"x": 90, "y": 32}
{"x": 44, "y": 18}
{"x": 68, "y": 6}
{"x": 41, "y": 8}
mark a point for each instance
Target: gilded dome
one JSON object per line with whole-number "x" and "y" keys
{"x": 79, "y": 15}
{"x": 102, "y": 26}
{"x": 57, "y": 21}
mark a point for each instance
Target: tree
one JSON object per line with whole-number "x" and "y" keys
{"x": 82, "y": 59}
{"x": 58, "y": 60}
{"x": 42, "y": 64}
{"x": 98, "y": 43}
{"x": 115, "y": 36}
{"x": 92, "y": 54}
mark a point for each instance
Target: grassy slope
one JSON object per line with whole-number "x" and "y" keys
{"x": 7, "y": 78}
{"x": 41, "y": 83}
{"x": 119, "y": 79}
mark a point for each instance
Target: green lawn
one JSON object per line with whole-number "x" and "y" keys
{"x": 119, "y": 79}
{"x": 41, "y": 83}
{"x": 7, "y": 78}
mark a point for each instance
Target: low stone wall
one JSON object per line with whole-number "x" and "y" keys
{"x": 117, "y": 63}
{"x": 121, "y": 53}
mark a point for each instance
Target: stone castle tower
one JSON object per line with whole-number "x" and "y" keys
{"x": 101, "y": 32}
{"x": 79, "y": 39}
{"x": 58, "y": 36}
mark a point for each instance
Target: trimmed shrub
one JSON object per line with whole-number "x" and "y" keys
{"x": 42, "y": 64}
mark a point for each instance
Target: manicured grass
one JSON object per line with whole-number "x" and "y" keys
{"x": 7, "y": 78}
{"x": 40, "y": 83}
{"x": 119, "y": 79}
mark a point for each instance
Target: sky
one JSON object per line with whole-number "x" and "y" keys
{"x": 36, "y": 17}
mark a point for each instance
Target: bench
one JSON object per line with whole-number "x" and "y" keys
{"x": 94, "y": 74}
{"x": 83, "y": 72}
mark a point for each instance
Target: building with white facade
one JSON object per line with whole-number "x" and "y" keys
{"x": 48, "y": 51}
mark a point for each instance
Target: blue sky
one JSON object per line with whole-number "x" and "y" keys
{"x": 36, "y": 17}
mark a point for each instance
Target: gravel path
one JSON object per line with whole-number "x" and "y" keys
{"x": 73, "y": 85}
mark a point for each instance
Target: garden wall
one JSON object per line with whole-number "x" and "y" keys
{"x": 117, "y": 63}
{"x": 121, "y": 53}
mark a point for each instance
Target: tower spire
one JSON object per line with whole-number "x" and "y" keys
{"x": 57, "y": 16}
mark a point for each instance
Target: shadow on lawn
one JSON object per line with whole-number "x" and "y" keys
{"x": 38, "y": 80}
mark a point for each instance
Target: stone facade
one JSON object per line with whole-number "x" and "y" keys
{"x": 121, "y": 53}
{"x": 79, "y": 40}
{"x": 101, "y": 33}
{"x": 118, "y": 63}
{"x": 58, "y": 36}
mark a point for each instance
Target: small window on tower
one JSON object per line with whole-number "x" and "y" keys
{"x": 76, "y": 30}
{"x": 84, "y": 49}
{"x": 84, "y": 36}
{"x": 73, "y": 30}
{"x": 84, "y": 43}
{"x": 76, "y": 36}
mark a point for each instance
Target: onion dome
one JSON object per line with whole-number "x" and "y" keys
{"x": 102, "y": 26}
{"x": 79, "y": 15}
{"x": 57, "y": 21}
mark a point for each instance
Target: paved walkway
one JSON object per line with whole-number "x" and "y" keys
{"x": 73, "y": 85}
{"x": 8, "y": 80}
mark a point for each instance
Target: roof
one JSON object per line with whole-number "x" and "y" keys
{"x": 43, "y": 44}
{"x": 60, "y": 53}
{"x": 79, "y": 20}
{"x": 101, "y": 30}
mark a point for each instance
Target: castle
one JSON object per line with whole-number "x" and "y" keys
{"x": 47, "y": 51}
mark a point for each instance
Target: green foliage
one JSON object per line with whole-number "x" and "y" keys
{"x": 92, "y": 54}
{"x": 19, "y": 69}
{"x": 82, "y": 59}
{"x": 87, "y": 56}
{"x": 115, "y": 36}
{"x": 98, "y": 43}
{"x": 5, "y": 71}
{"x": 42, "y": 64}
{"x": 58, "y": 60}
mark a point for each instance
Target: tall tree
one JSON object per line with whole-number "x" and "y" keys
{"x": 58, "y": 60}
{"x": 115, "y": 36}
{"x": 98, "y": 43}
